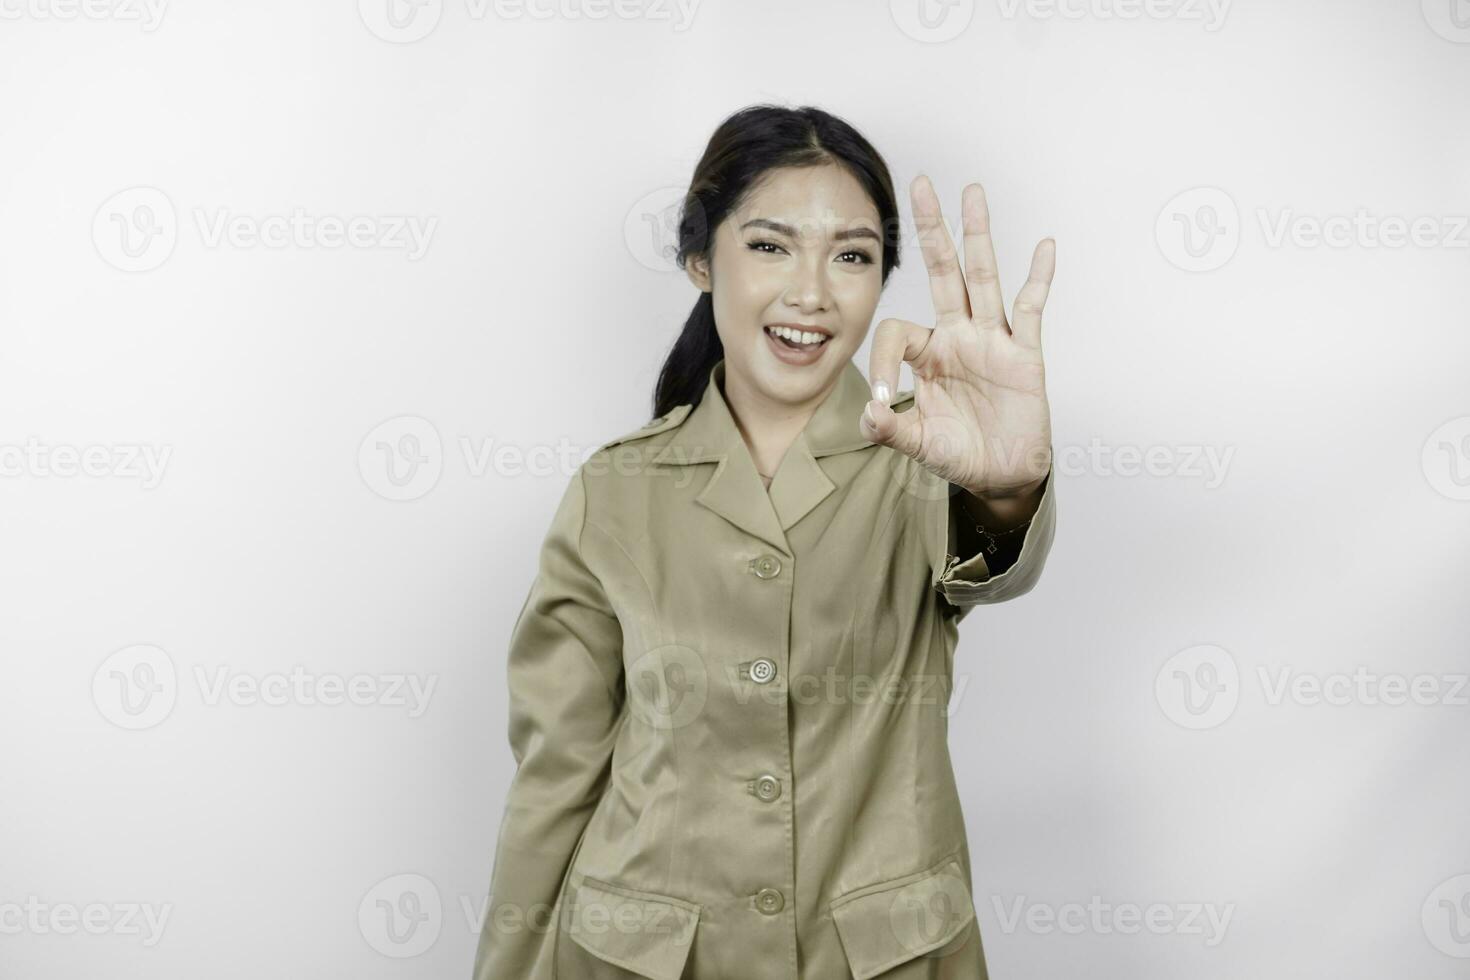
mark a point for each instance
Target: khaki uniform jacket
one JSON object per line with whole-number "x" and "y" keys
{"x": 729, "y": 712}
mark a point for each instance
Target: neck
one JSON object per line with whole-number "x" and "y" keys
{"x": 768, "y": 427}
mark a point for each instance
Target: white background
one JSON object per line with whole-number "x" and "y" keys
{"x": 538, "y": 152}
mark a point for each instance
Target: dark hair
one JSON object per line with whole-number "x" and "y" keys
{"x": 745, "y": 147}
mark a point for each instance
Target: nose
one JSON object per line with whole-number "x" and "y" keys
{"x": 811, "y": 291}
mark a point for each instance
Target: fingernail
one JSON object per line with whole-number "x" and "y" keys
{"x": 868, "y": 414}
{"x": 880, "y": 391}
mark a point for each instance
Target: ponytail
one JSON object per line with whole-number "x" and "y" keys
{"x": 685, "y": 373}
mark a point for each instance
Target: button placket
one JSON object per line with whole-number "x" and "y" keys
{"x": 765, "y": 787}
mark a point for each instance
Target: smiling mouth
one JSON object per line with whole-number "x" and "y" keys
{"x": 795, "y": 345}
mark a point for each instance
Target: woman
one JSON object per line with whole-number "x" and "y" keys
{"x": 729, "y": 683}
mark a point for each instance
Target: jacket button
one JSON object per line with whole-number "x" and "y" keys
{"x": 766, "y": 566}
{"x": 762, "y": 670}
{"x": 768, "y": 787}
{"x": 769, "y": 901}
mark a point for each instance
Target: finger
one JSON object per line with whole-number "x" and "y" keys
{"x": 1026, "y": 319}
{"x": 901, "y": 431}
{"x": 946, "y": 279}
{"x": 894, "y": 341}
{"x": 982, "y": 272}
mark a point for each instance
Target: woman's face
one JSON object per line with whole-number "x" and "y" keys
{"x": 804, "y": 249}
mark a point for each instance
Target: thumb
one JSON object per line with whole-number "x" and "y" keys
{"x": 897, "y": 430}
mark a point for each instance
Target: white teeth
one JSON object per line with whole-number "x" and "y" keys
{"x": 797, "y": 336}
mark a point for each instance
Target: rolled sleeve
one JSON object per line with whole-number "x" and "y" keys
{"x": 968, "y": 582}
{"x": 564, "y": 674}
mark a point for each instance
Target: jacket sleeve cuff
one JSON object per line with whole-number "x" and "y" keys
{"x": 969, "y": 582}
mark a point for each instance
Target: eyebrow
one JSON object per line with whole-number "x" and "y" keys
{"x": 790, "y": 232}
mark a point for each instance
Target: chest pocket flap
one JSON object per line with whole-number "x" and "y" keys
{"x": 638, "y": 931}
{"x": 888, "y": 923}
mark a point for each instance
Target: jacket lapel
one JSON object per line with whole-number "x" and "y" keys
{"x": 709, "y": 435}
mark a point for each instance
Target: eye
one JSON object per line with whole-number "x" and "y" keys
{"x": 755, "y": 246}
{"x": 761, "y": 245}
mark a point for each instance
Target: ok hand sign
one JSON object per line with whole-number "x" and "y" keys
{"x": 980, "y": 417}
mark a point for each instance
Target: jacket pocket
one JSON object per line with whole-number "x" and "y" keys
{"x": 647, "y": 934}
{"x": 888, "y": 923}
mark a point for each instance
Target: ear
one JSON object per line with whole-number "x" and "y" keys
{"x": 697, "y": 269}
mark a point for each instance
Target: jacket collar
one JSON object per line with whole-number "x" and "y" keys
{"x": 709, "y": 435}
